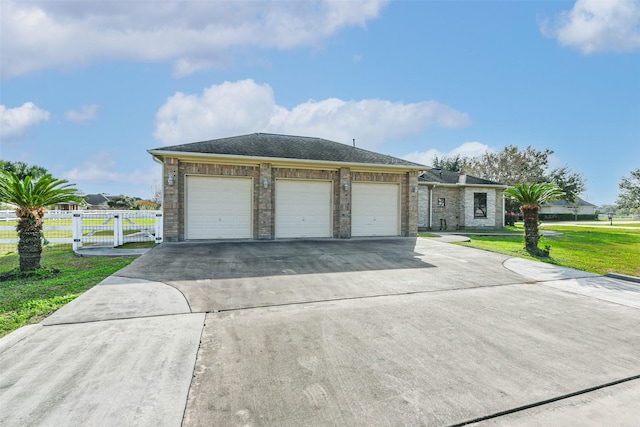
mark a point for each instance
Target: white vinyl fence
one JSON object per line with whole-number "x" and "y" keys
{"x": 88, "y": 228}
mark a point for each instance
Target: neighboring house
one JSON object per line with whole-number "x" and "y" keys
{"x": 68, "y": 206}
{"x": 563, "y": 210}
{"x": 265, "y": 186}
{"x": 449, "y": 200}
{"x": 97, "y": 201}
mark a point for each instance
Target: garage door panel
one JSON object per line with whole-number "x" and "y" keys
{"x": 303, "y": 209}
{"x": 375, "y": 209}
{"x": 218, "y": 208}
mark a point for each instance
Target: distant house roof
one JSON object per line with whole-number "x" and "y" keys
{"x": 96, "y": 199}
{"x": 441, "y": 176}
{"x": 264, "y": 145}
{"x": 579, "y": 202}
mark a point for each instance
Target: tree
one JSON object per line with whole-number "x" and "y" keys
{"x": 122, "y": 202}
{"x": 32, "y": 196}
{"x": 22, "y": 170}
{"x": 455, "y": 163}
{"x": 605, "y": 209}
{"x": 572, "y": 183}
{"x": 157, "y": 194}
{"x": 146, "y": 205}
{"x": 530, "y": 197}
{"x": 629, "y": 197}
{"x": 512, "y": 165}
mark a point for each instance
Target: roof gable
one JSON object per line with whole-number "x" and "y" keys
{"x": 264, "y": 145}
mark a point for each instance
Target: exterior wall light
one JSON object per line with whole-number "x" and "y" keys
{"x": 171, "y": 179}
{"x": 345, "y": 185}
{"x": 265, "y": 183}
{"x": 414, "y": 188}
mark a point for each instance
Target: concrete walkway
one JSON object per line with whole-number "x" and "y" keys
{"x": 362, "y": 332}
{"x": 95, "y": 251}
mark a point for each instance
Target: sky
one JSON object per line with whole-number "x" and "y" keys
{"x": 87, "y": 87}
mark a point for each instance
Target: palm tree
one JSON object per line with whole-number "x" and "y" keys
{"x": 30, "y": 197}
{"x": 531, "y": 196}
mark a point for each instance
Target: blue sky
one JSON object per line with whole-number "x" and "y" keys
{"x": 88, "y": 87}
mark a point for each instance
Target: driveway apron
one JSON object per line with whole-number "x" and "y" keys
{"x": 364, "y": 332}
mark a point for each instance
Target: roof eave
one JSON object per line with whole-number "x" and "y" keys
{"x": 159, "y": 154}
{"x": 457, "y": 184}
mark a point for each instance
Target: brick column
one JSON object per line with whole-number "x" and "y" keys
{"x": 412, "y": 211}
{"x": 344, "y": 204}
{"x": 170, "y": 203}
{"x": 265, "y": 203}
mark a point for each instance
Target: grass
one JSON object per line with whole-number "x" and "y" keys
{"x": 137, "y": 245}
{"x": 28, "y": 300}
{"x": 594, "y": 249}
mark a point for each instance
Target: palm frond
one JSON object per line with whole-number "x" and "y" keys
{"x": 30, "y": 193}
{"x": 535, "y": 194}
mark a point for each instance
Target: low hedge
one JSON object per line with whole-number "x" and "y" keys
{"x": 567, "y": 217}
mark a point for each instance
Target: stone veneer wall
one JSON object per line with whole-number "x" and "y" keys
{"x": 499, "y": 208}
{"x": 264, "y": 198}
{"x": 490, "y": 220}
{"x": 423, "y": 207}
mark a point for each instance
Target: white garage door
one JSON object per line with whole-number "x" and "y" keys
{"x": 303, "y": 209}
{"x": 374, "y": 209}
{"x": 218, "y": 208}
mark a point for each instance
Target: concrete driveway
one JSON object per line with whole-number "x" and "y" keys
{"x": 360, "y": 332}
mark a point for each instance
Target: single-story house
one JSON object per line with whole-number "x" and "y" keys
{"x": 69, "y": 206}
{"x": 450, "y": 201}
{"x": 265, "y": 186}
{"x": 562, "y": 209}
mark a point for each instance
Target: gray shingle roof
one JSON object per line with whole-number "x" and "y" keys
{"x": 442, "y": 176}
{"x": 288, "y": 147}
{"x": 579, "y": 202}
{"x": 96, "y": 199}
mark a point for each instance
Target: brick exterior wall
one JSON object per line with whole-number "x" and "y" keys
{"x": 265, "y": 203}
{"x": 264, "y": 198}
{"x": 450, "y": 212}
{"x": 344, "y": 204}
{"x": 170, "y": 204}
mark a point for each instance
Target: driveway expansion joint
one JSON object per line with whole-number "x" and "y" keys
{"x": 398, "y": 294}
{"x": 153, "y": 316}
{"x": 547, "y": 401}
{"x": 633, "y": 280}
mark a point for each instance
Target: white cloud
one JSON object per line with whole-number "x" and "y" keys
{"x": 468, "y": 149}
{"x": 242, "y": 107}
{"x": 15, "y": 122}
{"x": 193, "y": 34}
{"x": 85, "y": 113}
{"x": 101, "y": 168}
{"x": 597, "y": 26}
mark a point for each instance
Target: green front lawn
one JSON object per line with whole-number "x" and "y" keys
{"x": 26, "y": 301}
{"x": 595, "y": 249}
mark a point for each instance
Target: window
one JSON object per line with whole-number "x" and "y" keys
{"x": 479, "y": 205}
{"x": 440, "y": 201}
